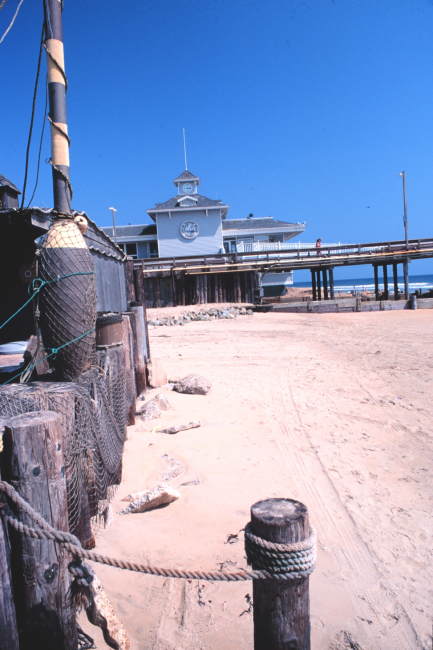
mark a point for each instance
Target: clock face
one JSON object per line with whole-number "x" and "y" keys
{"x": 187, "y": 187}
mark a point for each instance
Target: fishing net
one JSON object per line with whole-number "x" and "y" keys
{"x": 68, "y": 301}
{"x": 93, "y": 411}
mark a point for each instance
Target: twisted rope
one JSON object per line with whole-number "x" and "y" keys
{"x": 65, "y": 178}
{"x": 13, "y": 20}
{"x": 72, "y": 544}
{"x": 59, "y": 129}
{"x": 58, "y": 66}
{"x": 299, "y": 557}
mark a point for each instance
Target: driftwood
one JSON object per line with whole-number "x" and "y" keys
{"x": 181, "y": 427}
{"x": 100, "y": 613}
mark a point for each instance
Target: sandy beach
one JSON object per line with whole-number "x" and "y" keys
{"x": 334, "y": 410}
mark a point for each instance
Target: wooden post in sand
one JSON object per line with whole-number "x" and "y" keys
{"x": 8, "y": 622}
{"x": 34, "y": 465}
{"x": 281, "y": 607}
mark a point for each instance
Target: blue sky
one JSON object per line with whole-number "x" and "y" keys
{"x": 306, "y": 111}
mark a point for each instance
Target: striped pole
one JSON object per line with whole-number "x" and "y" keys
{"x": 57, "y": 86}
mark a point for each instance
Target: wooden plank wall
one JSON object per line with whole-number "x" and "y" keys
{"x": 200, "y": 289}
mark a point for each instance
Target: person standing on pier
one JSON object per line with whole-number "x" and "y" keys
{"x": 318, "y": 246}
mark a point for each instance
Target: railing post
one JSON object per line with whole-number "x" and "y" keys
{"x": 281, "y": 607}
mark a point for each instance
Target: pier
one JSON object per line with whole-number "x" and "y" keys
{"x": 200, "y": 279}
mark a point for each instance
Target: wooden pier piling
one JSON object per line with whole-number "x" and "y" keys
{"x": 385, "y": 282}
{"x": 376, "y": 281}
{"x": 8, "y": 621}
{"x": 325, "y": 284}
{"x": 281, "y": 608}
{"x": 33, "y": 463}
{"x": 331, "y": 283}
{"x": 395, "y": 278}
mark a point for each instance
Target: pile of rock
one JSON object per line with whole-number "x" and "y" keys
{"x": 203, "y": 314}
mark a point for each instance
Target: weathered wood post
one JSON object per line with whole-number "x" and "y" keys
{"x": 385, "y": 282}
{"x": 129, "y": 280}
{"x": 8, "y": 621}
{"x": 325, "y": 284}
{"x": 395, "y": 278}
{"x": 376, "y": 282}
{"x": 34, "y": 465}
{"x": 313, "y": 284}
{"x": 331, "y": 283}
{"x": 281, "y": 607}
{"x": 319, "y": 292}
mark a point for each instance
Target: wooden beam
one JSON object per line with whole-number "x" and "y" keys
{"x": 319, "y": 291}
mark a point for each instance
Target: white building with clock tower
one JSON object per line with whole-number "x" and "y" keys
{"x": 189, "y": 223}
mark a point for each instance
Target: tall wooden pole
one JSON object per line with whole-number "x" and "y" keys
{"x": 313, "y": 284}
{"x": 57, "y": 84}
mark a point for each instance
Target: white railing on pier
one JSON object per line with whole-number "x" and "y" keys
{"x": 265, "y": 246}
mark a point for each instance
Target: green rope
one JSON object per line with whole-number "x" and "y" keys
{"x": 53, "y": 351}
{"x": 39, "y": 287}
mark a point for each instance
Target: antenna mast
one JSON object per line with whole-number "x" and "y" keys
{"x": 184, "y": 149}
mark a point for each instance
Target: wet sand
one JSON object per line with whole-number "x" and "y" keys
{"x": 334, "y": 410}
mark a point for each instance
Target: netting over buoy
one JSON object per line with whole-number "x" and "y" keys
{"x": 68, "y": 300}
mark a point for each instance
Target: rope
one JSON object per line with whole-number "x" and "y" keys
{"x": 60, "y": 130}
{"x": 58, "y": 66}
{"x": 13, "y": 20}
{"x": 40, "y": 143}
{"x": 53, "y": 352}
{"x": 71, "y": 543}
{"x": 35, "y": 92}
{"x": 3, "y": 4}
{"x": 42, "y": 283}
{"x": 280, "y": 558}
{"x": 65, "y": 178}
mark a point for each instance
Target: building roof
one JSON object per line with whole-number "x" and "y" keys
{"x": 186, "y": 176}
{"x": 253, "y": 223}
{"x": 131, "y": 231}
{"x": 5, "y": 183}
{"x": 202, "y": 202}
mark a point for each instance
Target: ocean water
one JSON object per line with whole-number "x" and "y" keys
{"x": 423, "y": 282}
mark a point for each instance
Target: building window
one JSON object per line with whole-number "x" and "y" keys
{"x": 129, "y": 249}
{"x": 153, "y": 249}
{"x": 230, "y": 246}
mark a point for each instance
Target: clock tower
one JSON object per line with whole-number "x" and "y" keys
{"x": 187, "y": 183}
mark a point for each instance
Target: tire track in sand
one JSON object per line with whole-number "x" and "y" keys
{"x": 335, "y": 523}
